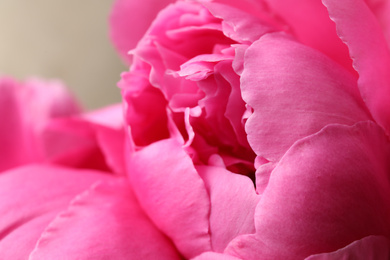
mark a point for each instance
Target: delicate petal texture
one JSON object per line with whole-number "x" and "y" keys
{"x": 104, "y": 222}
{"x": 215, "y": 256}
{"x": 25, "y": 108}
{"x": 172, "y": 194}
{"x": 327, "y": 191}
{"x": 31, "y": 197}
{"x": 233, "y": 201}
{"x": 310, "y": 23}
{"x": 360, "y": 30}
{"x": 294, "y": 92}
{"x": 368, "y": 248}
{"x": 129, "y": 20}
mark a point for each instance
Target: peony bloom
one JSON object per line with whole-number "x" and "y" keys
{"x": 260, "y": 129}
{"x": 251, "y": 130}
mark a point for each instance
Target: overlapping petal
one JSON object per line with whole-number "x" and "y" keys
{"x": 105, "y": 222}
{"x": 309, "y": 22}
{"x": 93, "y": 140}
{"x": 31, "y": 197}
{"x": 361, "y": 31}
{"x": 25, "y": 108}
{"x": 294, "y": 92}
{"x": 328, "y": 190}
{"x": 172, "y": 194}
{"x": 233, "y": 200}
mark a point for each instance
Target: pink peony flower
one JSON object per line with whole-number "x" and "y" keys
{"x": 251, "y": 130}
{"x": 293, "y": 96}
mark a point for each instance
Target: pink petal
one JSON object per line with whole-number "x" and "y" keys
{"x": 94, "y": 140}
{"x": 215, "y": 256}
{"x": 294, "y": 92}
{"x": 105, "y": 222}
{"x": 233, "y": 201}
{"x": 25, "y": 109}
{"x": 360, "y": 30}
{"x": 329, "y": 190}
{"x": 173, "y": 195}
{"x": 310, "y": 23}
{"x": 129, "y": 20}
{"x": 31, "y": 197}
{"x": 381, "y": 9}
{"x": 371, "y": 247}
{"x": 238, "y": 25}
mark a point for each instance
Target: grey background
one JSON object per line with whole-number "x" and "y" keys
{"x": 65, "y": 39}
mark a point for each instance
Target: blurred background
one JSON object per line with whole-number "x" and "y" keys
{"x": 64, "y": 39}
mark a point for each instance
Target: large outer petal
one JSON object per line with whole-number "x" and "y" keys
{"x": 360, "y": 30}
{"x": 105, "y": 222}
{"x": 31, "y": 197}
{"x": 129, "y": 20}
{"x": 329, "y": 189}
{"x": 173, "y": 195}
{"x": 25, "y": 108}
{"x": 294, "y": 92}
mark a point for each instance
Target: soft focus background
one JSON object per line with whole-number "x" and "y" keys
{"x": 65, "y": 39}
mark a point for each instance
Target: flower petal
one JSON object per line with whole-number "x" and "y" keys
{"x": 233, "y": 201}
{"x": 381, "y": 9}
{"x": 127, "y": 13}
{"x": 371, "y": 247}
{"x": 25, "y": 108}
{"x": 360, "y": 30}
{"x": 31, "y": 197}
{"x": 94, "y": 140}
{"x": 294, "y": 92}
{"x": 215, "y": 256}
{"x": 329, "y": 190}
{"x": 238, "y": 25}
{"x": 309, "y": 22}
{"x": 104, "y": 222}
{"x": 173, "y": 195}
